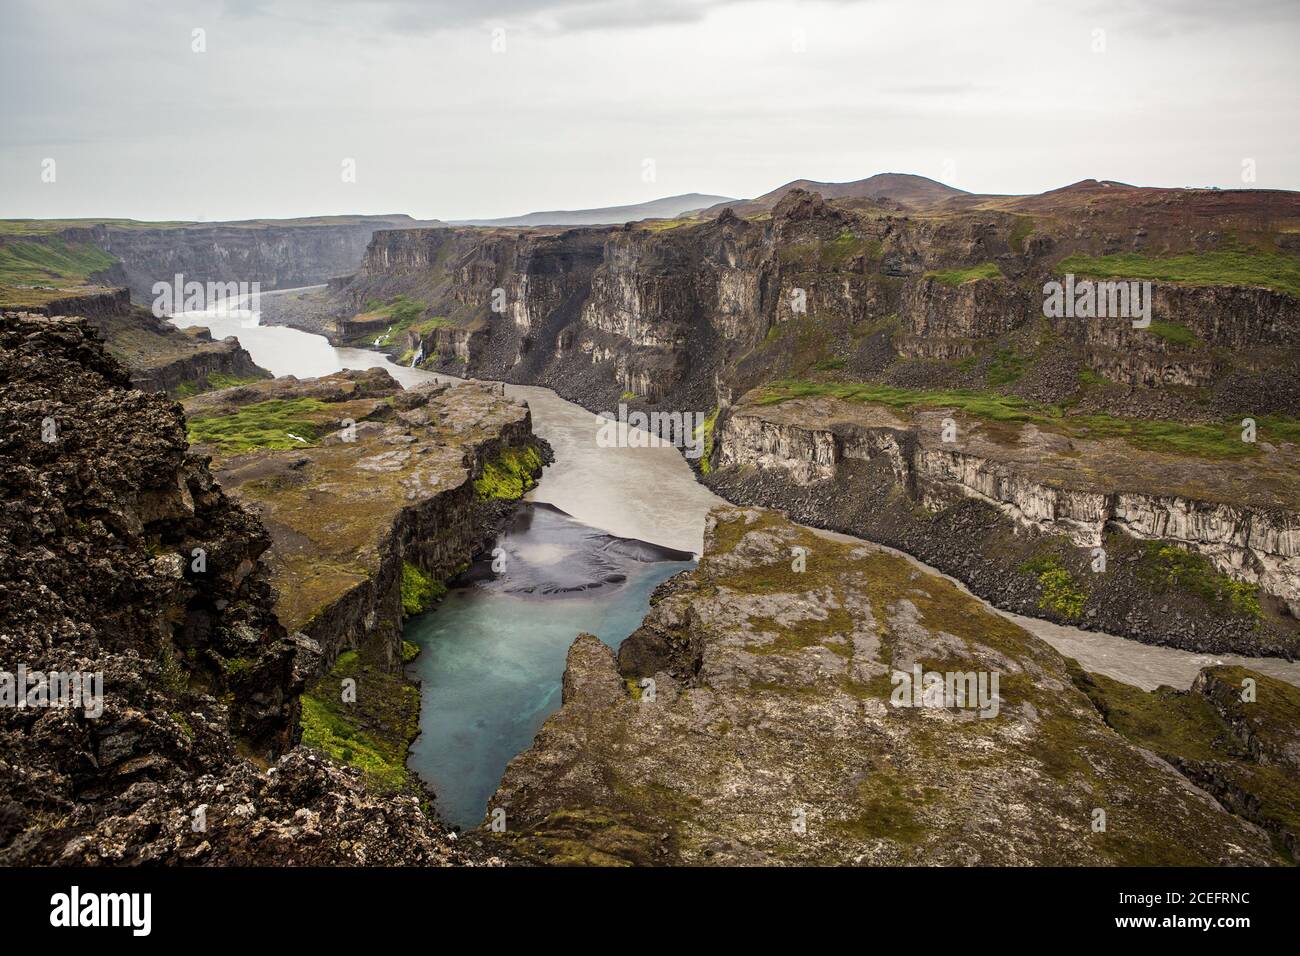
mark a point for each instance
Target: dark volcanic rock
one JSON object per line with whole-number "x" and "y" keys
{"x": 105, "y": 516}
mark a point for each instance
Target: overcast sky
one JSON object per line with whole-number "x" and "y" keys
{"x": 590, "y": 98}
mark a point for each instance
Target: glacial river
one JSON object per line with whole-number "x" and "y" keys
{"x": 494, "y": 650}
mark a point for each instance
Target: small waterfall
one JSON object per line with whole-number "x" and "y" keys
{"x": 418, "y": 356}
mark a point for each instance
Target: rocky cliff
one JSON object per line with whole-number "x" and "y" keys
{"x": 998, "y": 507}
{"x": 939, "y": 307}
{"x": 123, "y": 561}
{"x": 278, "y": 254}
{"x": 159, "y": 356}
{"x": 756, "y": 719}
{"x": 357, "y": 479}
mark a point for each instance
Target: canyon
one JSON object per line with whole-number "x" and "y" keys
{"x": 906, "y": 315}
{"x": 869, "y": 362}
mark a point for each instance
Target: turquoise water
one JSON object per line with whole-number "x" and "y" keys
{"x": 490, "y": 667}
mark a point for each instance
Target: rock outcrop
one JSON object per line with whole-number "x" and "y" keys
{"x": 758, "y": 717}
{"x": 912, "y": 479}
{"x": 377, "y": 477}
{"x": 122, "y": 560}
{"x": 159, "y": 356}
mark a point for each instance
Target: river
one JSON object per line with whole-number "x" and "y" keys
{"x": 493, "y": 656}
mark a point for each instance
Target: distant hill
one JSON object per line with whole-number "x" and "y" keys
{"x": 903, "y": 188}
{"x": 670, "y": 207}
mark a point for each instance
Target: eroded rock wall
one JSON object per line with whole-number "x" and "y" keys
{"x": 186, "y": 755}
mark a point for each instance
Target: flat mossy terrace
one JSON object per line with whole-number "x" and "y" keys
{"x": 33, "y": 273}
{"x": 328, "y": 502}
{"x": 1085, "y": 452}
{"x": 783, "y": 710}
{"x": 1267, "y": 269}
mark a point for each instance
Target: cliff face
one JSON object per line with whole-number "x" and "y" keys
{"x": 755, "y": 719}
{"x": 279, "y": 255}
{"x": 122, "y": 559}
{"x": 707, "y": 309}
{"x": 928, "y": 309}
{"x": 890, "y": 476}
{"x": 349, "y": 505}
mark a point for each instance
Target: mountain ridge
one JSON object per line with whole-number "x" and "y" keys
{"x": 668, "y": 207}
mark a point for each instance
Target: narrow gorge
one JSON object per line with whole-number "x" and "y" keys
{"x": 831, "y": 344}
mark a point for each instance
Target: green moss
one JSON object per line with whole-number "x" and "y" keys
{"x": 172, "y": 675}
{"x": 263, "y": 425}
{"x": 52, "y": 263}
{"x": 1178, "y": 438}
{"x": 222, "y": 380}
{"x": 1061, "y": 592}
{"x": 1166, "y": 721}
{"x": 888, "y": 811}
{"x": 1024, "y": 225}
{"x": 984, "y": 404}
{"x": 828, "y": 253}
{"x": 835, "y": 633}
{"x": 372, "y": 733}
{"x": 1175, "y": 333}
{"x": 1272, "y": 270}
{"x": 235, "y": 666}
{"x": 185, "y": 390}
{"x": 986, "y": 270}
{"x": 183, "y": 722}
{"x": 510, "y": 474}
{"x": 847, "y": 246}
{"x": 1188, "y": 729}
{"x": 410, "y": 651}
{"x": 706, "y": 457}
{"x": 1168, "y": 566}
{"x": 402, "y": 314}
{"x": 1088, "y": 377}
{"x": 339, "y": 739}
{"x": 1006, "y": 368}
{"x": 419, "y": 591}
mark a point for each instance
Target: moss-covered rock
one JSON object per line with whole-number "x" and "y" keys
{"x": 1235, "y": 733}
{"x": 510, "y": 474}
{"x": 772, "y": 733}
